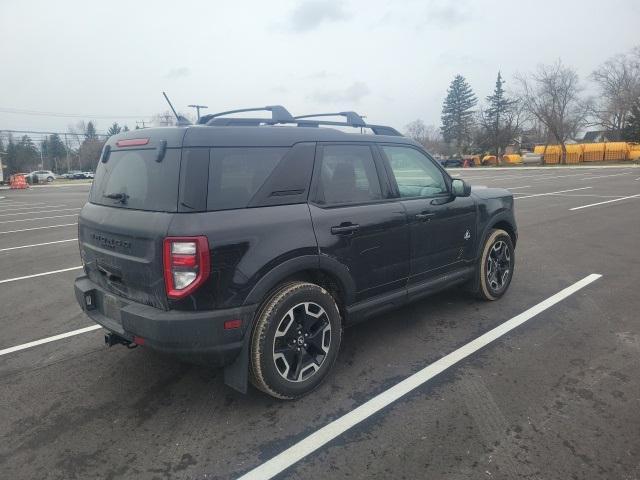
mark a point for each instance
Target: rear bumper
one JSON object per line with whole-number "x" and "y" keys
{"x": 200, "y": 336}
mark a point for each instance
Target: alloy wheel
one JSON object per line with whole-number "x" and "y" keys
{"x": 301, "y": 342}
{"x": 498, "y": 265}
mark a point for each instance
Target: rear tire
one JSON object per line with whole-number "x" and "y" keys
{"x": 496, "y": 266}
{"x": 295, "y": 341}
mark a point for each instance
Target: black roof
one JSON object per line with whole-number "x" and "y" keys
{"x": 276, "y": 136}
{"x": 281, "y": 130}
{"x": 237, "y": 136}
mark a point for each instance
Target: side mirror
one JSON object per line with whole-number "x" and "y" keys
{"x": 459, "y": 188}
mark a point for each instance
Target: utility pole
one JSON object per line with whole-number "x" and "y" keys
{"x": 198, "y": 107}
{"x": 66, "y": 144}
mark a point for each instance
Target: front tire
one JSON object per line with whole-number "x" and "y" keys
{"x": 295, "y": 340}
{"x": 496, "y": 267}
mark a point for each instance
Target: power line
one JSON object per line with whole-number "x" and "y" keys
{"x": 19, "y": 111}
{"x": 50, "y": 133}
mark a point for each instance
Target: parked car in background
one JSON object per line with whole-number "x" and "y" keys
{"x": 529, "y": 158}
{"x": 452, "y": 162}
{"x": 88, "y": 174}
{"x": 71, "y": 174}
{"x": 41, "y": 176}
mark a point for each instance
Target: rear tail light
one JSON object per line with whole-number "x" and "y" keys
{"x": 186, "y": 264}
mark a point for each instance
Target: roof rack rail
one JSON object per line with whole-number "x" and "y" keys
{"x": 384, "y": 130}
{"x": 352, "y": 118}
{"x": 279, "y": 114}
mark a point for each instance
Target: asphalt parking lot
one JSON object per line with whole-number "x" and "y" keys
{"x": 557, "y": 397}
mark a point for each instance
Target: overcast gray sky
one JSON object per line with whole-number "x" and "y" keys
{"x": 389, "y": 60}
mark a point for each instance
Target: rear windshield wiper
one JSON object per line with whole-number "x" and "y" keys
{"x": 117, "y": 196}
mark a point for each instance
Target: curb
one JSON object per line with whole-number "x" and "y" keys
{"x": 541, "y": 167}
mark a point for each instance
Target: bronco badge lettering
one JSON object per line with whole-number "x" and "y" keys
{"x": 110, "y": 242}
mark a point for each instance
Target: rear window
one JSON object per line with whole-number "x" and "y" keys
{"x": 133, "y": 179}
{"x": 236, "y": 174}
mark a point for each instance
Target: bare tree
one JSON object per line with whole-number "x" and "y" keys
{"x": 426, "y": 135}
{"x": 551, "y": 94}
{"x": 618, "y": 81}
{"x": 168, "y": 119}
{"x": 416, "y": 130}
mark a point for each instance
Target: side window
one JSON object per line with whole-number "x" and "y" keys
{"x": 348, "y": 175}
{"x": 236, "y": 174}
{"x": 415, "y": 174}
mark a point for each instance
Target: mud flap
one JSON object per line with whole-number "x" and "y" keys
{"x": 236, "y": 375}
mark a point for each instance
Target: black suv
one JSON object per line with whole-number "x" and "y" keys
{"x": 250, "y": 243}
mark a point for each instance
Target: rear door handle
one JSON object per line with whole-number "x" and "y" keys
{"x": 344, "y": 229}
{"x": 424, "y": 216}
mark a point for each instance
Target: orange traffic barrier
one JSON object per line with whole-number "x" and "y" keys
{"x": 616, "y": 151}
{"x": 575, "y": 151}
{"x": 593, "y": 152}
{"x": 512, "y": 159}
{"x": 17, "y": 182}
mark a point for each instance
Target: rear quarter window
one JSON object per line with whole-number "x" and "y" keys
{"x": 236, "y": 174}
{"x": 146, "y": 183}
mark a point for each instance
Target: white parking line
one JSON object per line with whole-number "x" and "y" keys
{"x": 49, "y": 339}
{"x": 602, "y": 203}
{"x": 605, "y": 176}
{"x": 38, "y": 218}
{"x": 37, "y": 244}
{"x": 28, "y": 208}
{"x": 21, "y": 204}
{"x": 39, "y": 211}
{"x": 39, "y": 274}
{"x": 313, "y": 442}
{"x": 585, "y": 195}
{"x": 517, "y": 188}
{"x": 39, "y": 228}
{"x": 84, "y": 184}
{"x": 549, "y": 193}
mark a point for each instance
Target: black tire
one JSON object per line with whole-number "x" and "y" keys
{"x": 496, "y": 266}
{"x": 285, "y": 362}
{"x": 49, "y": 179}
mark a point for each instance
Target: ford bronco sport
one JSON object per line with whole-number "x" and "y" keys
{"x": 250, "y": 243}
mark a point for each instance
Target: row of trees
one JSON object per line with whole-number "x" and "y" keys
{"x": 79, "y": 149}
{"x": 546, "y": 106}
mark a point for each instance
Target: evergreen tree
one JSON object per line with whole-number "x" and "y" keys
{"x": 457, "y": 114}
{"x": 632, "y": 128}
{"x": 90, "y": 131}
{"x": 22, "y": 156}
{"x": 125, "y": 128}
{"x": 114, "y": 129}
{"x": 11, "y": 158}
{"x": 55, "y": 151}
{"x": 496, "y": 119}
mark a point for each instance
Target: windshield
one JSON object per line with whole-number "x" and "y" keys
{"x": 134, "y": 179}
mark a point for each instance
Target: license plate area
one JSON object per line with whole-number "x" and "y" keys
{"x": 111, "y": 307}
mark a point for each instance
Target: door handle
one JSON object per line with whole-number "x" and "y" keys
{"x": 344, "y": 229}
{"x": 424, "y": 216}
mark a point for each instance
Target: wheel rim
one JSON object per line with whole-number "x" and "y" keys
{"x": 302, "y": 342}
{"x": 498, "y": 265}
